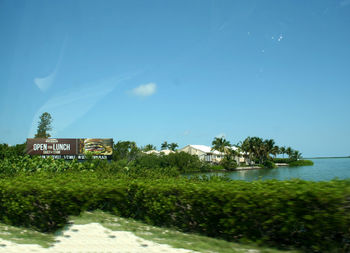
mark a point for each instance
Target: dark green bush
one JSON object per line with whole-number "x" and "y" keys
{"x": 7, "y": 151}
{"x": 150, "y": 161}
{"x": 310, "y": 215}
{"x": 228, "y": 163}
{"x": 121, "y": 169}
{"x": 282, "y": 160}
{"x": 268, "y": 164}
{"x": 217, "y": 167}
{"x": 184, "y": 162}
{"x": 293, "y": 162}
{"x": 301, "y": 163}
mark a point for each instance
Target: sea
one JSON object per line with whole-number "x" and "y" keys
{"x": 324, "y": 169}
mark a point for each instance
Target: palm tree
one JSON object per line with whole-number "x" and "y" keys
{"x": 255, "y": 147}
{"x": 233, "y": 154}
{"x": 164, "y": 145}
{"x": 173, "y": 146}
{"x": 125, "y": 150}
{"x": 296, "y": 155}
{"x": 220, "y": 144}
{"x": 149, "y": 147}
{"x": 283, "y": 150}
{"x": 268, "y": 147}
{"x": 275, "y": 151}
{"x": 239, "y": 151}
{"x": 247, "y": 149}
{"x": 289, "y": 152}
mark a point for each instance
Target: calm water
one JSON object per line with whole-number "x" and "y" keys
{"x": 322, "y": 170}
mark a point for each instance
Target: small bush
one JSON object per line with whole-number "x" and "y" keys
{"x": 184, "y": 162}
{"x": 217, "y": 167}
{"x": 282, "y": 160}
{"x": 269, "y": 164}
{"x": 301, "y": 163}
{"x": 7, "y": 151}
{"x": 228, "y": 163}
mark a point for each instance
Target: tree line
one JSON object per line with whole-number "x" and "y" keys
{"x": 254, "y": 149}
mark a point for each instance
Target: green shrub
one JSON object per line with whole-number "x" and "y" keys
{"x": 7, "y": 151}
{"x": 282, "y": 160}
{"x": 184, "y": 161}
{"x": 228, "y": 163}
{"x": 301, "y": 163}
{"x": 181, "y": 160}
{"x": 120, "y": 169}
{"x": 26, "y": 164}
{"x": 268, "y": 164}
{"x": 310, "y": 215}
{"x": 217, "y": 167}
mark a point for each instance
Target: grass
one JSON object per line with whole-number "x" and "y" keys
{"x": 25, "y": 236}
{"x": 156, "y": 234}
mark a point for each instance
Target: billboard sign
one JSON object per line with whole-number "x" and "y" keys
{"x": 71, "y": 148}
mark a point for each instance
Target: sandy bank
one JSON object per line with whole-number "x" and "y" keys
{"x": 94, "y": 237}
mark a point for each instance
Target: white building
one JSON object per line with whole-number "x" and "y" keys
{"x": 166, "y": 151}
{"x": 156, "y": 152}
{"x": 205, "y": 153}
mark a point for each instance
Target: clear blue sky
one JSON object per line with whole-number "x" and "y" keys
{"x": 181, "y": 71}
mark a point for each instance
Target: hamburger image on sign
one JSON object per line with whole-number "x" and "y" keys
{"x": 94, "y": 145}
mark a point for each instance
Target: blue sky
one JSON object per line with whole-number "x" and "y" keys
{"x": 180, "y": 71}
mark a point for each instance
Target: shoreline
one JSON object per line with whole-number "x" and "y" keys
{"x": 239, "y": 169}
{"x": 248, "y": 168}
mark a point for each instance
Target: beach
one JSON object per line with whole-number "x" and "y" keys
{"x": 94, "y": 237}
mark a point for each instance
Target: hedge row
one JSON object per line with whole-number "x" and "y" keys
{"x": 308, "y": 215}
{"x": 301, "y": 163}
{"x": 16, "y": 166}
{"x": 283, "y": 160}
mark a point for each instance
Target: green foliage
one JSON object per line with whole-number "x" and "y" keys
{"x": 296, "y": 155}
{"x": 313, "y": 216}
{"x": 260, "y": 151}
{"x": 172, "y": 146}
{"x": 44, "y": 125}
{"x": 301, "y": 163}
{"x": 121, "y": 169}
{"x": 289, "y": 152}
{"x": 7, "y": 151}
{"x": 228, "y": 163}
{"x": 217, "y": 167}
{"x": 268, "y": 164}
{"x": 149, "y": 161}
{"x": 26, "y": 164}
{"x": 282, "y": 160}
{"x": 149, "y": 147}
{"x": 220, "y": 144}
{"x": 164, "y": 145}
{"x": 184, "y": 162}
{"x": 125, "y": 150}
{"x": 282, "y": 150}
{"x": 293, "y": 162}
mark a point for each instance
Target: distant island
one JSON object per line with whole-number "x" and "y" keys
{"x": 328, "y": 157}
